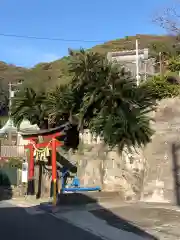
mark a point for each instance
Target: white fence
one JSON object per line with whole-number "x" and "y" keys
{"x": 88, "y": 138}
{"x": 12, "y": 151}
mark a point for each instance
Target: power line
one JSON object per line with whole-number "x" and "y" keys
{"x": 51, "y": 39}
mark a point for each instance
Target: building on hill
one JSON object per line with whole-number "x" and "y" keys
{"x": 128, "y": 60}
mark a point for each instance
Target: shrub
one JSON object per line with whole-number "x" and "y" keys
{"x": 13, "y": 162}
{"x": 161, "y": 88}
{"x": 174, "y": 64}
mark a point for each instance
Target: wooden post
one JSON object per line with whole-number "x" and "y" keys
{"x": 54, "y": 170}
{"x": 30, "y": 189}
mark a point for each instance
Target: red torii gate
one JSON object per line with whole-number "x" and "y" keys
{"x": 49, "y": 139}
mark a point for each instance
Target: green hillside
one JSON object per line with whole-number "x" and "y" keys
{"x": 128, "y": 43}
{"x": 47, "y": 75}
{"x": 57, "y": 71}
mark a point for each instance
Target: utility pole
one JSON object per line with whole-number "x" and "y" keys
{"x": 161, "y": 65}
{"x": 137, "y": 62}
{"x": 11, "y": 95}
{"x": 10, "y": 103}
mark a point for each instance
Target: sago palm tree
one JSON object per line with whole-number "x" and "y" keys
{"x": 27, "y": 104}
{"x": 60, "y": 103}
{"x": 112, "y": 105}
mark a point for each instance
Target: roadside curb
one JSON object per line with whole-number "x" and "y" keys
{"x": 48, "y": 207}
{"x": 81, "y": 207}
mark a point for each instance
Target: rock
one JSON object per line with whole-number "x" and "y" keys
{"x": 158, "y": 153}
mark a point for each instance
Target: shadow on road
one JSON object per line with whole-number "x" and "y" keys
{"x": 15, "y": 223}
{"x": 66, "y": 202}
{"x": 5, "y": 186}
{"x": 80, "y": 201}
{"x": 25, "y": 226}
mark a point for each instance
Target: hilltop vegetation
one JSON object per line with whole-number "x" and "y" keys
{"x": 128, "y": 43}
{"x": 47, "y": 75}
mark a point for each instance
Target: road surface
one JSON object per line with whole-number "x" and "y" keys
{"x": 21, "y": 220}
{"x": 17, "y": 224}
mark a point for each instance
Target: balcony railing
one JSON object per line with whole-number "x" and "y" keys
{"x": 12, "y": 151}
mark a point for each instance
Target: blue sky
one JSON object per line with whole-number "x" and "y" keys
{"x": 70, "y": 19}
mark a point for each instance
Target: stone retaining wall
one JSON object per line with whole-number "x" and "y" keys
{"x": 145, "y": 174}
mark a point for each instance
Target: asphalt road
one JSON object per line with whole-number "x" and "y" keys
{"x": 17, "y": 224}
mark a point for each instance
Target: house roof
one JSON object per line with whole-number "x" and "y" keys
{"x": 44, "y": 132}
{"x": 25, "y": 126}
{"x": 8, "y": 127}
{"x": 128, "y": 55}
